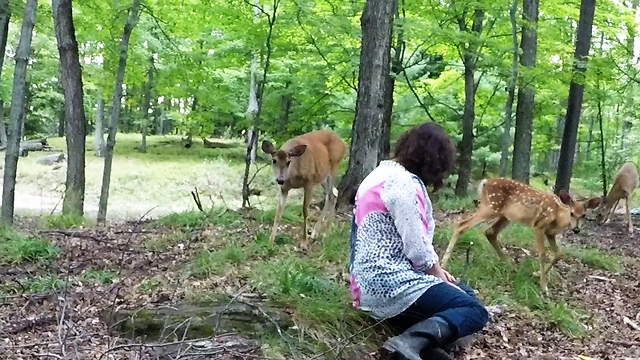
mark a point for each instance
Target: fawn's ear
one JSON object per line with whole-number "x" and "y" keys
{"x": 565, "y": 197}
{"x": 594, "y": 202}
{"x": 268, "y": 147}
{"x": 297, "y": 150}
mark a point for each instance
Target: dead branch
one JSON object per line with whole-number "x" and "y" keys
{"x": 196, "y": 199}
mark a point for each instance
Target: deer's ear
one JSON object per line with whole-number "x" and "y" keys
{"x": 268, "y": 147}
{"x": 297, "y": 150}
{"x": 565, "y": 197}
{"x": 594, "y": 203}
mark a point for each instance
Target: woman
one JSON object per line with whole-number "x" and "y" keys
{"x": 394, "y": 270}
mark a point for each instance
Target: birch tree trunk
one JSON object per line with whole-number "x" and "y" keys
{"x": 98, "y": 142}
{"x": 131, "y": 22}
{"x": 18, "y": 98}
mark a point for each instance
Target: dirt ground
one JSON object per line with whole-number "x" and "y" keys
{"x": 71, "y": 322}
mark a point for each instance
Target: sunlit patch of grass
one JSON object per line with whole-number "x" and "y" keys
{"x": 65, "y": 221}
{"x": 16, "y": 248}
{"x": 198, "y": 219}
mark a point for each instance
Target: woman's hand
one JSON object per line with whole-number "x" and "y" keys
{"x": 438, "y": 271}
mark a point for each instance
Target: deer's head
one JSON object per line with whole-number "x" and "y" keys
{"x": 281, "y": 159}
{"x": 578, "y": 208}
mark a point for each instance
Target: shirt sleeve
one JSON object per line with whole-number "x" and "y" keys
{"x": 408, "y": 206}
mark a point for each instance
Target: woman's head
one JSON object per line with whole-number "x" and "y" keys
{"x": 426, "y": 151}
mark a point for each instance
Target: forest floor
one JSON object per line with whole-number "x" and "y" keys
{"x": 61, "y": 283}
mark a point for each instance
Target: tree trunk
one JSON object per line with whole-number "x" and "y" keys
{"x": 145, "y": 106}
{"x": 18, "y": 98}
{"x": 98, "y": 137}
{"x": 511, "y": 90}
{"x": 132, "y": 20}
{"x": 5, "y": 18}
{"x": 373, "y": 98}
{"x": 521, "y": 165}
{"x": 76, "y": 124}
{"x": 396, "y": 70}
{"x": 576, "y": 92}
{"x": 465, "y": 146}
{"x": 254, "y": 109}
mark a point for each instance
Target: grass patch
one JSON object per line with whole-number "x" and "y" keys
{"x": 199, "y": 219}
{"x": 16, "y": 248}
{"x": 593, "y": 257}
{"x": 100, "y": 276}
{"x": 207, "y": 262}
{"x": 65, "y": 221}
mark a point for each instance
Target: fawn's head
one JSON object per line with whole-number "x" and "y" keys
{"x": 578, "y": 208}
{"x": 281, "y": 159}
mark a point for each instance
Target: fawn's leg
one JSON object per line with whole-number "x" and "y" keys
{"x": 281, "y": 203}
{"x": 492, "y": 236}
{"x": 462, "y": 226}
{"x": 304, "y": 244}
{"x": 629, "y": 223}
{"x": 555, "y": 252}
{"x": 542, "y": 257}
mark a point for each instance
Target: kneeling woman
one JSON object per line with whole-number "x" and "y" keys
{"x": 394, "y": 270}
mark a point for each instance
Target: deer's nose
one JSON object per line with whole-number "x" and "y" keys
{"x": 280, "y": 181}
{"x": 576, "y": 230}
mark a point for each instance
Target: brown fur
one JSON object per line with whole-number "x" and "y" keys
{"x": 305, "y": 162}
{"x": 624, "y": 183}
{"x": 503, "y": 201}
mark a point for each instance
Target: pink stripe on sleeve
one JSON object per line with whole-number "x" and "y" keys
{"x": 369, "y": 201}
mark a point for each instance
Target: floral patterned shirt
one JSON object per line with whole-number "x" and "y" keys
{"x": 391, "y": 242}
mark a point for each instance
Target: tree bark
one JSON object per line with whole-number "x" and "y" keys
{"x": 75, "y": 121}
{"x": 5, "y": 18}
{"x": 254, "y": 109}
{"x": 18, "y": 98}
{"x": 469, "y": 57}
{"x": 521, "y": 165}
{"x": 98, "y": 138}
{"x": 373, "y": 98}
{"x": 131, "y": 22}
{"x": 145, "y": 107}
{"x": 576, "y": 92}
{"x": 511, "y": 91}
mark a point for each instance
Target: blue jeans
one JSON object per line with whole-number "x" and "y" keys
{"x": 462, "y": 310}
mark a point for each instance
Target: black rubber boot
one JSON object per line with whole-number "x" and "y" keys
{"x": 425, "y": 337}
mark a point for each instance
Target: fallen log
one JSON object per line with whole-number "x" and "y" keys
{"x": 194, "y": 321}
{"x": 216, "y": 145}
{"x": 51, "y": 159}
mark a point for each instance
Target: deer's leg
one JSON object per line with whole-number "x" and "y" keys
{"x": 322, "y": 223}
{"x": 282, "y": 201}
{"x": 629, "y": 223}
{"x": 305, "y": 214}
{"x": 555, "y": 252}
{"x": 542, "y": 256}
{"x": 462, "y": 226}
{"x": 492, "y": 236}
{"x": 611, "y": 211}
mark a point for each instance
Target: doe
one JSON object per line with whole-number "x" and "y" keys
{"x": 305, "y": 162}
{"x": 624, "y": 183}
{"x": 504, "y": 200}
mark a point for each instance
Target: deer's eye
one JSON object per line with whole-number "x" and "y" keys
{"x": 274, "y": 160}
{"x": 288, "y": 163}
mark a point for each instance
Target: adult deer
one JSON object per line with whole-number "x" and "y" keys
{"x": 503, "y": 201}
{"x": 305, "y": 162}
{"x": 624, "y": 183}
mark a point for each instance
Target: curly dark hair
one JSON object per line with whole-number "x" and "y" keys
{"x": 426, "y": 151}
